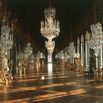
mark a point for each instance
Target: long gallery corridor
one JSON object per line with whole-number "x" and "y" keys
{"x": 67, "y": 87}
{"x": 51, "y": 51}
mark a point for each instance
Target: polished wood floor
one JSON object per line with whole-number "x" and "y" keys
{"x": 67, "y": 87}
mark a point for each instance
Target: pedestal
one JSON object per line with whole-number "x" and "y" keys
{"x": 49, "y": 58}
{"x": 49, "y": 66}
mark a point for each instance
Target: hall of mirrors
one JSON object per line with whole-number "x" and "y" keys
{"x": 33, "y": 72}
{"x": 86, "y": 56}
{"x": 18, "y": 58}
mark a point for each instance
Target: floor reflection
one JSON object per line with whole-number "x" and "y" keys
{"x": 50, "y": 70}
{"x": 54, "y": 87}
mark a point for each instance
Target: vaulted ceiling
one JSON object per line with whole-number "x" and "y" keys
{"x": 72, "y": 14}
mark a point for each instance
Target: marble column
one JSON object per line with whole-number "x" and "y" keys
{"x": 78, "y": 47}
{"x": 87, "y": 54}
{"x": 72, "y": 51}
{"x": 101, "y": 58}
{"x": 50, "y": 48}
{"x": 49, "y": 57}
{"x": 97, "y": 57}
{"x": 82, "y": 51}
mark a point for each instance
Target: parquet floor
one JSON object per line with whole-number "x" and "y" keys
{"x": 67, "y": 87}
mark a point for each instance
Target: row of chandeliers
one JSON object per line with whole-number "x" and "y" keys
{"x": 8, "y": 43}
{"x": 87, "y": 55}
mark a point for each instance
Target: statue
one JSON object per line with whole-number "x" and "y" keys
{"x": 5, "y": 69}
{"x": 92, "y": 61}
{"x": 96, "y": 29}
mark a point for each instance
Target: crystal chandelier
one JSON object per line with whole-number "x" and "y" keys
{"x": 96, "y": 43}
{"x": 71, "y": 51}
{"x": 42, "y": 55}
{"x": 61, "y": 55}
{"x": 6, "y": 39}
{"x": 97, "y": 36}
{"x": 20, "y": 56}
{"x": 50, "y": 28}
{"x": 28, "y": 50}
